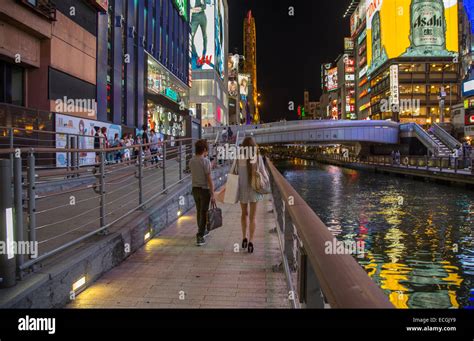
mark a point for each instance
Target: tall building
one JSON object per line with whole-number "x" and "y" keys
{"x": 209, "y": 61}
{"x": 250, "y": 64}
{"x": 128, "y": 60}
{"x": 143, "y": 58}
{"x": 47, "y": 57}
{"x": 406, "y": 60}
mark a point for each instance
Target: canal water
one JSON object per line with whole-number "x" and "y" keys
{"x": 417, "y": 237}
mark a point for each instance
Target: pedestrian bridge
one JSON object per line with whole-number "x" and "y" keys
{"x": 385, "y": 132}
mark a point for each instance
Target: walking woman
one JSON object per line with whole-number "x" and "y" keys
{"x": 248, "y": 197}
{"x": 203, "y": 188}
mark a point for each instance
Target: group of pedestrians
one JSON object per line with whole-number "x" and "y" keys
{"x": 462, "y": 155}
{"x": 396, "y": 157}
{"x": 129, "y": 146}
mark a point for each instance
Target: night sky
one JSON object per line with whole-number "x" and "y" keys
{"x": 290, "y": 50}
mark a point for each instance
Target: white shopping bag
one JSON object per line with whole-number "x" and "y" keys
{"x": 232, "y": 189}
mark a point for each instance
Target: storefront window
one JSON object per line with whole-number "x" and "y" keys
{"x": 164, "y": 121}
{"x": 162, "y": 82}
{"x": 412, "y": 68}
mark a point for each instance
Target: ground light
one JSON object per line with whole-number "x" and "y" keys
{"x": 147, "y": 236}
{"x": 79, "y": 283}
{"x": 179, "y": 213}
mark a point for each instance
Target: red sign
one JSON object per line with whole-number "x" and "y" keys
{"x": 469, "y": 119}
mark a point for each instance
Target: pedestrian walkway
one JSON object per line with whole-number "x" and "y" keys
{"x": 171, "y": 272}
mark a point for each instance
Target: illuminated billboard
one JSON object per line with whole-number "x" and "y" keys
{"x": 203, "y": 55}
{"x": 208, "y": 35}
{"x": 220, "y": 38}
{"x": 233, "y": 88}
{"x": 244, "y": 83}
{"x": 182, "y": 6}
{"x": 410, "y": 28}
{"x": 332, "y": 79}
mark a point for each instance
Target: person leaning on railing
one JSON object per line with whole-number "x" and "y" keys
{"x": 203, "y": 188}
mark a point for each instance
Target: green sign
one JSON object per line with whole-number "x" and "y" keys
{"x": 182, "y": 6}
{"x": 171, "y": 94}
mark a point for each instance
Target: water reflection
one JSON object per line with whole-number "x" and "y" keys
{"x": 418, "y": 236}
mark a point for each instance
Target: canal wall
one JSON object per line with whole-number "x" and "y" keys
{"x": 420, "y": 173}
{"x": 51, "y": 285}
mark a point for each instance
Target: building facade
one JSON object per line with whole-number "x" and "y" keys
{"x": 143, "y": 61}
{"x": 54, "y": 69}
{"x": 209, "y": 61}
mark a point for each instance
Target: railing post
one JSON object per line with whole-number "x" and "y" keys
{"x": 427, "y": 162}
{"x": 180, "y": 160}
{"x": 18, "y": 195}
{"x": 140, "y": 175}
{"x": 73, "y": 145}
{"x": 7, "y": 259}
{"x": 164, "y": 165}
{"x": 68, "y": 153}
{"x": 76, "y": 153}
{"x": 11, "y": 145}
{"x": 289, "y": 239}
{"x": 441, "y": 164}
{"x": 102, "y": 191}
{"x": 31, "y": 198}
{"x": 309, "y": 290}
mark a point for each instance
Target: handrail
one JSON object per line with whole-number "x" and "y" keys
{"x": 445, "y": 137}
{"x": 426, "y": 139}
{"x": 343, "y": 281}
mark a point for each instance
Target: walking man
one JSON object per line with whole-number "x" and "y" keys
{"x": 203, "y": 188}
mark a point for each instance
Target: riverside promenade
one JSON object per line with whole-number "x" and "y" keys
{"x": 171, "y": 272}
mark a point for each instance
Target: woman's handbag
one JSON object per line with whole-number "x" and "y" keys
{"x": 260, "y": 180}
{"x": 232, "y": 186}
{"x": 214, "y": 218}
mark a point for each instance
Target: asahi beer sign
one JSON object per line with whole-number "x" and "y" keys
{"x": 410, "y": 28}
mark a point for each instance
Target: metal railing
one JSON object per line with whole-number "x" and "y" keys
{"x": 434, "y": 164}
{"x": 445, "y": 137}
{"x": 57, "y": 208}
{"x": 323, "y": 279}
{"x": 426, "y": 139}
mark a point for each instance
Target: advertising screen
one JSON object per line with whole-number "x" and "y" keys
{"x": 358, "y": 16}
{"x": 182, "y": 6}
{"x": 220, "y": 38}
{"x": 233, "y": 88}
{"x": 233, "y": 65}
{"x": 332, "y": 79}
{"x": 244, "y": 82}
{"x": 203, "y": 55}
{"x": 86, "y": 130}
{"x": 410, "y": 28}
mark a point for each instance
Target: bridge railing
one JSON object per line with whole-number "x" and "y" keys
{"x": 445, "y": 137}
{"x": 423, "y": 136}
{"x": 57, "y": 208}
{"x": 441, "y": 164}
{"x": 323, "y": 278}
